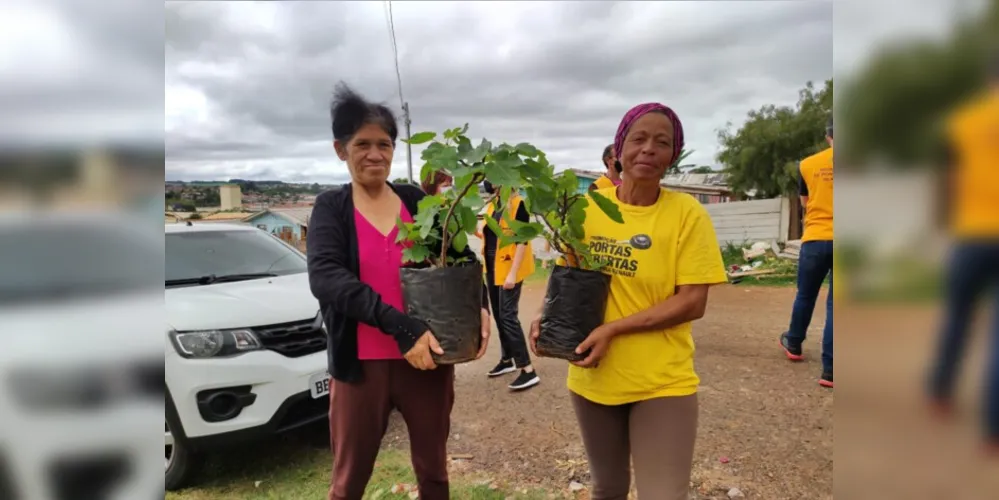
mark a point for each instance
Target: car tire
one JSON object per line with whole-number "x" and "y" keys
{"x": 182, "y": 465}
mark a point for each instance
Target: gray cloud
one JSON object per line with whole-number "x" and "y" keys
{"x": 248, "y": 85}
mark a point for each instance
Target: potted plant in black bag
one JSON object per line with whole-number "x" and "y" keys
{"x": 441, "y": 291}
{"x": 577, "y": 289}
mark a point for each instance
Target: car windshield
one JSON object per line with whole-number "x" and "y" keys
{"x": 204, "y": 257}
{"x": 79, "y": 258}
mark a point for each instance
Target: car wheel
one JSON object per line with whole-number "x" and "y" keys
{"x": 182, "y": 463}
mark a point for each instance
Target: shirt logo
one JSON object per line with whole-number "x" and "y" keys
{"x": 641, "y": 241}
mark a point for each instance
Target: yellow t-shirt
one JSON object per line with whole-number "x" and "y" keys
{"x": 974, "y": 133}
{"x": 817, "y": 175}
{"x": 603, "y": 182}
{"x": 658, "y": 248}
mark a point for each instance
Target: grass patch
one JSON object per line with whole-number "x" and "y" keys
{"x": 285, "y": 471}
{"x": 541, "y": 273}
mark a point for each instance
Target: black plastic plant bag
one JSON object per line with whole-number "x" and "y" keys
{"x": 574, "y": 307}
{"x": 449, "y": 300}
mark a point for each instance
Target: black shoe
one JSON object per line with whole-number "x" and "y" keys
{"x": 826, "y": 380}
{"x": 525, "y": 380}
{"x": 502, "y": 368}
{"x": 791, "y": 350}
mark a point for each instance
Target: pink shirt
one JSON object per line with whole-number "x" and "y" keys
{"x": 380, "y": 259}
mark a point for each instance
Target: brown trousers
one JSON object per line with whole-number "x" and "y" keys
{"x": 359, "y": 416}
{"x": 657, "y": 434}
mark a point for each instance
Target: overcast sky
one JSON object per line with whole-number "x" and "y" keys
{"x": 248, "y": 84}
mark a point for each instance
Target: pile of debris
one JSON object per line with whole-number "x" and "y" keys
{"x": 766, "y": 259}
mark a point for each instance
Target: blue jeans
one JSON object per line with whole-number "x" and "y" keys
{"x": 972, "y": 271}
{"x": 815, "y": 262}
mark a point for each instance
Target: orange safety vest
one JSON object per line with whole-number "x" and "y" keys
{"x": 505, "y": 255}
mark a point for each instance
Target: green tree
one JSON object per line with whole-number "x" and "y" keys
{"x": 763, "y": 154}
{"x": 892, "y": 109}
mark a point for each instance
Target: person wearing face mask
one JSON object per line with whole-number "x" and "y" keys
{"x": 635, "y": 394}
{"x": 437, "y": 183}
{"x": 612, "y": 171}
{"x": 506, "y": 269}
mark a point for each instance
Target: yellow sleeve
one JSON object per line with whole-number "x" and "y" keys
{"x": 699, "y": 261}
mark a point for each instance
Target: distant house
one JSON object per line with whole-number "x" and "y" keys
{"x": 290, "y": 224}
{"x": 585, "y": 178}
{"x": 223, "y": 217}
{"x": 707, "y": 188}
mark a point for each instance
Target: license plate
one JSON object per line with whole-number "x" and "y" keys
{"x": 319, "y": 385}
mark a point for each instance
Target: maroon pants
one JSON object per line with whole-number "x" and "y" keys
{"x": 359, "y": 415}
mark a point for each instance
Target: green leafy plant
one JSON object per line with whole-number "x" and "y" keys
{"x": 447, "y": 219}
{"x": 555, "y": 200}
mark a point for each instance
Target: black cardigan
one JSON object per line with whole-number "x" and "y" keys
{"x": 334, "y": 277}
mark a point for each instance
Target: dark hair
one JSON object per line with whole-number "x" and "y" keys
{"x": 608, "y": 152}
{"x": 433, "y": 182}
{"x": 489, "y": 187}
{"x": 349, "y": 112}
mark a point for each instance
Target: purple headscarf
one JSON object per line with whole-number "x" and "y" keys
{"x": 641, "y": 110}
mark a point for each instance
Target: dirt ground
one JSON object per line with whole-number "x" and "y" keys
{"x": 765, "y": 423}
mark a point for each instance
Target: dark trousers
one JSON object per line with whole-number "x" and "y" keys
{"x": 815, "y": 262}
{"x": 506, "y": 310}
{"x": 359, "y": 416}
{"x": 657, "y": 435}
{"x": 973, "y": 270}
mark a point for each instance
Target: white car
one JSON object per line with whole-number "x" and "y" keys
{"x": 80, "y": 369}
{"x": 245, "y": 347}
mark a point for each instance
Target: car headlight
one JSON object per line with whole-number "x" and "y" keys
{"x": 215, "y": 343}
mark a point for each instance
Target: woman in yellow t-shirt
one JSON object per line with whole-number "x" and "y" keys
{"x": 635, "y": 395}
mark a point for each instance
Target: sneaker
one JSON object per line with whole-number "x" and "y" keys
{"x": 525, "y": 380}
{"x": 826, "y": 380}
{"x": 793, "y": 352}
{"x": 502, "y": 368}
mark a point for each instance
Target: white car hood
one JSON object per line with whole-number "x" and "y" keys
{"x": 240, "y": 304}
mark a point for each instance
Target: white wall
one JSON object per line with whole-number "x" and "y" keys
{"x": 756, "y": 220}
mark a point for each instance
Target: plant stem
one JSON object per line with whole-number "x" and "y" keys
{"x": 445, "y": 239}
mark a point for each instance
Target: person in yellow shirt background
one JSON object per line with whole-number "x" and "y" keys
{"x": 815, "y": 260}
{"x": 506, "y": 269}
{"x": 972, "y": 200}
{"x": 635, "y": 394}
{"x": 612, "y": 171}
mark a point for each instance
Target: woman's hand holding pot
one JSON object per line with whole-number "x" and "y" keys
{"x": 419, "y": 356}
{"x": 597, "y": 343}
{"x": 532, "y": 338}
{"x": 486, "y": 331}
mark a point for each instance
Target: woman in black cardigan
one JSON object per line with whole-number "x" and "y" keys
{"x": 379, "y": 357}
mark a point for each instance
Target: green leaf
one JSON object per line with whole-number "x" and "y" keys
{"x": 474, "y": 202}
{"x": 464, "y": 147}
{"x": 539, "y": 201}
{"x": 494, "y": 226}
{"x": 469, "y": 221}
{"x": 568, "y": 181}
{"x": 527, "y": 150}
{"x": 501, "y": 175}
{"x": 460, "y": 241}
{"x": 479, "y": 153}
{"x": 416, "y": 253}
{"x": 606, "y": 206}
{"x": 421, "y": 138}
{"x": 403, "y": 233}
{"x": 431, "y": 151}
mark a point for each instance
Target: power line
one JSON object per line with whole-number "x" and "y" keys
{"x": 398, "y": 77}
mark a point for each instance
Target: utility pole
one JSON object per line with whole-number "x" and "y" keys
{"x": 409, "y": 147}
